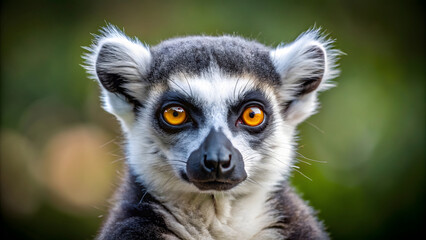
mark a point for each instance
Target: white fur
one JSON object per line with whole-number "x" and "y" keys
{"x": 132, "y": 62}
{"x": 221, "y": 216}
{"x": 293, "y": 64}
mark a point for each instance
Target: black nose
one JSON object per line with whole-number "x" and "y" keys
{"x": 217, "y": 158}
{"x": 216, "y": 164}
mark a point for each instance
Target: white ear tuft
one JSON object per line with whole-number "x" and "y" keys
{"x": 306, "y": 66}
{"x": 120, "y": 65}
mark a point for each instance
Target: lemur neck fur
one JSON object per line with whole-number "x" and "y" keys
{"x": 222, "y": 213}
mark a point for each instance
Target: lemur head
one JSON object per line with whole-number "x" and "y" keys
{"x": 207, "y": 114}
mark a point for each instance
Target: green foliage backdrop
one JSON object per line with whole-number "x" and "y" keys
{"x": 364, "y": 152}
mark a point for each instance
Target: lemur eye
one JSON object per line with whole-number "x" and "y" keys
{"x": 253, "y": 116}
{"x": 175, "y": 115}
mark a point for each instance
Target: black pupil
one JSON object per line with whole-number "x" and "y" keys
{"x": 175, "y": 113}
{"x": 251, "y": 114}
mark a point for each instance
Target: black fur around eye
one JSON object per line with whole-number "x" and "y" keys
{"x": 254, "y": 102}
{"x": 193, "y": 114}
{"x": 251, "y": 115}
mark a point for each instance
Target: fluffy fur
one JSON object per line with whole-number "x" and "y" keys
{"x": 214, "y": 76}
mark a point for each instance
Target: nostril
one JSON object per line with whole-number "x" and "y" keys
{"x": 226, "y": 164}
{"x": 209, "y": 163}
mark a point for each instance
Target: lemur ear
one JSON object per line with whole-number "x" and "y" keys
{"x": 120, "y": 65}
{"x": 305, "y": 67}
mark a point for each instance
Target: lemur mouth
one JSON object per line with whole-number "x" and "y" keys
{"x": 217, "y": 185}
{"x": 214, "y": 185}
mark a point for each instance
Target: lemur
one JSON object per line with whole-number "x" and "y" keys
{"x": 210, "y": 127}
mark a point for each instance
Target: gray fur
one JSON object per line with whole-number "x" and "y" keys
{"x": 194, "y": 55}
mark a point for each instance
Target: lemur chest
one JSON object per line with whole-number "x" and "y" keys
{"x": 220, "y": 219}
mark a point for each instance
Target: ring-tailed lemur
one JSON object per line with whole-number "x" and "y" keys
{"x": 210, "y": 124}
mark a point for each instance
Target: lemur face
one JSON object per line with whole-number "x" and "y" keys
{"x": 208, "y": 114}
{"x": 214, "y": 129}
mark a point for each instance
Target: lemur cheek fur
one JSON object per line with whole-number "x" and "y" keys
{"x": 209, "y": 125}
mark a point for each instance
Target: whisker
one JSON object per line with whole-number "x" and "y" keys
{"x": 303, "y": 174}
{"x": 107, "y": 143}
{"x": 292, "y": 166}
{"x": 275, "y": 158}
{"x": 245, "y": 87}
{"x": 235, "y": 87}
{"x": 180, "y": 87}
{"x": 316, "y": 127}
{"x": 146, "y": 191}
{"x": 253, "y": 181}
{"x": 177, "y": 160}
{"x": 189, "y": 85}
{"x": 118, "y": 160}
{"x": 313, "y": 160}
{"x": 298, "y": 160}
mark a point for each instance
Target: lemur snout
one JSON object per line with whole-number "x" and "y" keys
{"x": 216, "y": 164}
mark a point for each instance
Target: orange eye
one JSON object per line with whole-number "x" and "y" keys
{"x": 175, "y": 115}
{"x": 253, "y": 116}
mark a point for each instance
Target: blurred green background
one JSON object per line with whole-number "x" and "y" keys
{"x": 60, "y": 153}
